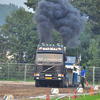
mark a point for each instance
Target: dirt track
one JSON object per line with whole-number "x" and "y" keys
{"x": 27, "y": 89}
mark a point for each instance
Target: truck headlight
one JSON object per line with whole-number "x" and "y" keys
{"x": 59, "y": 75}
{"x": 37, "y": 77}
{"x": 59, "y": 78}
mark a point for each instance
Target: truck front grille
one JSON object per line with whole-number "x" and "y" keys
{"x": 47, "y": 68}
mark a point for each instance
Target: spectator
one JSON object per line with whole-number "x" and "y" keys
{"x": 82, "y": 76}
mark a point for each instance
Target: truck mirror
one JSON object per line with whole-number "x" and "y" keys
{"x": 65, "y": 58}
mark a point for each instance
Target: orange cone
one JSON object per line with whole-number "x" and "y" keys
{"x": 91, "y": 91}
{"x": 74, "y": 96}
{"x": 47, "y": 96}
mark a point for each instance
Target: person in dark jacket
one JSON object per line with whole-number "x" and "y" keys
{"x": 83, "y": 73}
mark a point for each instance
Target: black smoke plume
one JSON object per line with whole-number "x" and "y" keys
{"x": 63, "y": 17}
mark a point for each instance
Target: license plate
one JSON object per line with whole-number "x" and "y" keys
{"x": 48, "y": 77}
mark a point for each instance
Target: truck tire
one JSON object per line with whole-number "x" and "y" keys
{"x": 61, "y": 84}
{"x": 37, "y": 83}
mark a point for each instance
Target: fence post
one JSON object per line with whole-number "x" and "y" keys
{"x": 25, "y": 72}
{"x": 8, "y": 71}
{"x": 93, "y": 75}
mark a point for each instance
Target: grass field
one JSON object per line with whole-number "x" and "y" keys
{"x": 87, "y": 97}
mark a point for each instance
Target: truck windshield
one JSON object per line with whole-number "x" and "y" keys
{"x": 49, "y": 58}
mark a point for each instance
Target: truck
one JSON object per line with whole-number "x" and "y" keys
{"x": 50, "y": 66}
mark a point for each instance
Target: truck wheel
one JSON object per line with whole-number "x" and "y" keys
{"x": 37, "y": 83}
{"x": 61, "y": 84}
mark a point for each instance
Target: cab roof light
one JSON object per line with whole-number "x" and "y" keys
{"x": 46, "y": 44}
{"x": 61, "y": 45}
{"x": 58, "y": 44}
{"x": 40, "y": 48}
{"x": 59, "y": 49}
{"x": 43, "y": 44}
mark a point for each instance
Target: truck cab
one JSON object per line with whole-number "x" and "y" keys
{"x": 50, "y": 66}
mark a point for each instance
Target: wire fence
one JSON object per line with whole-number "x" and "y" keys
{"x": 25, "y": 72}
{"x": 93, "y": 75}
{"x": 17, "y": 71}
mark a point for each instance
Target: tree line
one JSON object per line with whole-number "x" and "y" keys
{"x": 19, "y": 34}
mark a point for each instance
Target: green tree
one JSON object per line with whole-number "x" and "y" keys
{"x": 32, "y": 4}
{"x": 20, "y": 31}
{"x": 98, "y": 15}
{"x": 3, "y": 48}
{"x": 82, "y": 48}
{"x": 89, "y": 8}
{"x": 85, "y": 38}
{"x": 93, "y": 53}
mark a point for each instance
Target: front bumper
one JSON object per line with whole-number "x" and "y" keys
{"x": 45, "y": 76}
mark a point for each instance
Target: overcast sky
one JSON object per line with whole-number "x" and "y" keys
{"x": 16, "y": 2}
